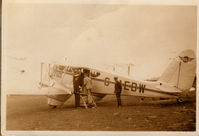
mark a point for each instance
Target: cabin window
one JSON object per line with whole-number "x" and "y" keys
{"x": 57, "y": 70}
{"x": 60, "y": 67}
{"x": 95, "y": 73}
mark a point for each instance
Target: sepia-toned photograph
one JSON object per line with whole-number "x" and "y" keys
{"x": 98, "y": 67}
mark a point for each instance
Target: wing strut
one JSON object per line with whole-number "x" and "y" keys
{"x": 41, "y": 72}
{"x": 179, "y": 74}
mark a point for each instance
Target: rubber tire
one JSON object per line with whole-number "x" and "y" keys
{"x": 179, "y": 100}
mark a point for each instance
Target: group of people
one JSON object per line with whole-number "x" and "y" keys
{"x": 83, "y": 85}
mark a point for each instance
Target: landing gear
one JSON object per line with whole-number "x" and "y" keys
{"x": 52, "y": 106}
{"x": 179, "y": 100}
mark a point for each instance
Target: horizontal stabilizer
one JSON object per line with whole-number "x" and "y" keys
{"x": 167, "y": 88}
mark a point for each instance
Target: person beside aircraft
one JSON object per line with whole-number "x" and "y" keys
{"x": 88, "y": 88}
{"x": 76, "y": 85}
{"x": 118, "y": 90}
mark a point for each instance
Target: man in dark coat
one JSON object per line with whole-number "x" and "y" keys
{"x": 118, "y": 90}
{"x": 76, "y": 85}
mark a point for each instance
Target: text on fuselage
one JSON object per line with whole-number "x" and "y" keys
{"x": 127, "y": 85}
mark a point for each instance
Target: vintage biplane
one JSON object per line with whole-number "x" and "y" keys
{"x": 176, "y": 82}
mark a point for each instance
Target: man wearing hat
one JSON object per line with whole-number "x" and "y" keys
{"x": 118, "y": 90}
{"x": 76, "y": 85}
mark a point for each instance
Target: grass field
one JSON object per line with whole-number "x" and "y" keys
{"x": 32, "y": 113}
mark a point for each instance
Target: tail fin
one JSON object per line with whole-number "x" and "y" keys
{"x": 181, "y": 71}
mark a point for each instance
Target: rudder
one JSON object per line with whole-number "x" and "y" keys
{"x": 181, "y": 71}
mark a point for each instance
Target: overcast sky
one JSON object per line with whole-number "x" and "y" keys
{"x": 101, "y": 34}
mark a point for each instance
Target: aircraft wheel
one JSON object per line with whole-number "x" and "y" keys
{"x": 179, "y": 100}
{"x": 52, "y": 106}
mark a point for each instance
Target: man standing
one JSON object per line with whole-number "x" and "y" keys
{"x": 118, "y": 90}
{"x": 76, "y": 85}
{"x": 88, "y": 87}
